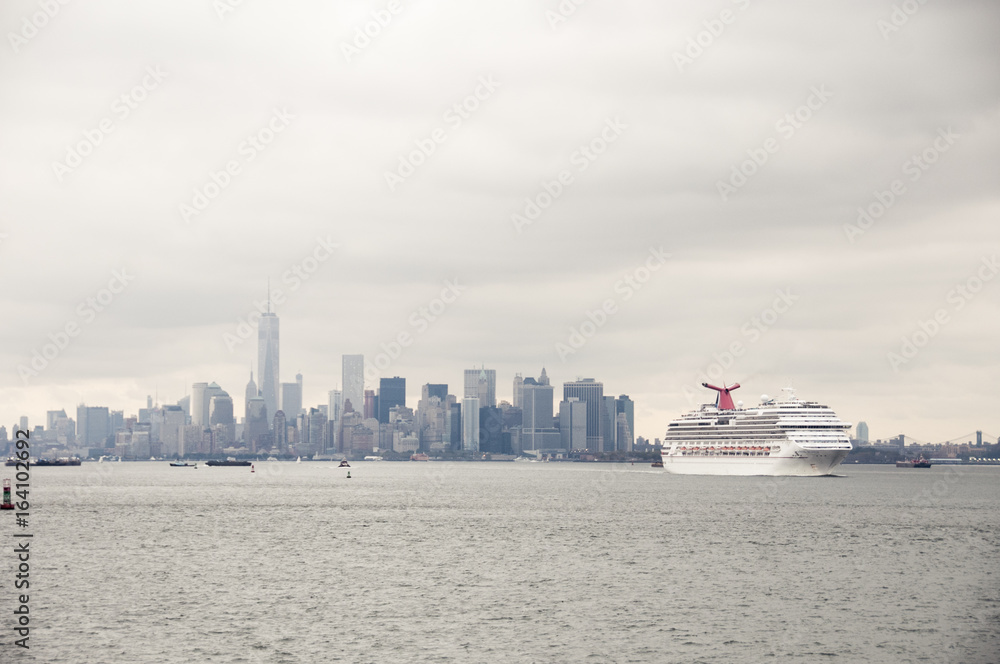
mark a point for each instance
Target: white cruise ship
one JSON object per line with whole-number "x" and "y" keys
{"x": 789, "y": 437}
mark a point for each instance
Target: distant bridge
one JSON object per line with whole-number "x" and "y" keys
{"x": 988, "y": 439}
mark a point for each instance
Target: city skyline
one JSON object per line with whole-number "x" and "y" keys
{"x": 356, "y": 367}
{"x": 654, "y": 194}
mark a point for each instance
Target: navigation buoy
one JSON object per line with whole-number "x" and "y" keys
{"x": 348, "y": 474}
{"x": 7, "y": 505}
{"x": 251, "y": 468}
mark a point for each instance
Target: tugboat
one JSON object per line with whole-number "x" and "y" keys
{"x": 913, "y": 463}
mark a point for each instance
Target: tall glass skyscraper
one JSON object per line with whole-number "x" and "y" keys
{"x": 470, "y": 424}
{"x": 354, "y": 382}
{"x": 267, "y": 361}
{"x": 591, "y": 391}
{"x": 391, "y": 392}
{"x": 625, "y": 405}
{"x": 862, "y": 432}
{"x": 291, "y": 399}
{"x": 482, "y": 384}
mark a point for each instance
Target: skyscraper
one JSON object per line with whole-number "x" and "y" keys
{"x": 334, "y": 410}
{"x": 255, "y": 431}
{"x": 470, "y": 424}
{"x": 609, "y": 425}
{"x": 221, "y": 418}
{"x": 591, "y": 391}
{"x": 172, "y": 420}
{"x": 439, "y": 390}
{"x": 518, "y": 384}
{"x": 391, "y": 392}
{"x": 92, "y": 425}
{"x": 491, "y": 438}
{"x": 280, "y": 428}
{"x": 453, "y": 426}
{"x": 573, "y": 423}
{"x": 51, "y": 417}
{"x": 537, "y": 426}
{"x": 252, "y": 392}
{"x": 199, "y": 405}
{"x": 353, "y": 380}
{"x": 268, "y": 365}
{"x": 862, "y": 432}
{"x": 482, "y": 384}
{"x": 291, "y": 398}
{"x": 625, "y": 406}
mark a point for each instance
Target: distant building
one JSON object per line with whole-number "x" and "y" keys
{"x": 171, "y": 420}
{"x": 117, "y": 418}
{"x": 861, "y": 432}
{"x": 315, "y": 436}
{"x": 625, "y": 406}
{"x": 353, "y": 381}
{"x": 518, "y": 383}
{"x": 199, "y": 404}
{"x": 92, "y": 425}
{"x": 591, "y": 391}
{"x": 257, "y": 426}
{"x": 280, "y": 428}
{"x": 335, "y": 412}
{"x": 573, "y": 424}
{"x": 453, "y": 426}
{"x": 470, "y": 424}
{"x": 221, "y": 415}
{"x": 51, "y": 417}
{"x": 268, "y": 360}
{"x": 439, "y": 390}
{"x": 491, "y": 438}
{"x": 291, "y": 399}
{"x": 538, "y": 431}
{"x": 184, "y": 403}
{"x": 432, "y": 417}
{"x": 391, "y": 393}
{"x": 482, "y": 384}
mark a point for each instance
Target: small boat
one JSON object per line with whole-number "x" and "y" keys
{"x": 299, "y": 460}
{"x": 913, "y": 463}
{"x": 657, "y": 464}
{"x": 182, "y": 464}
{"x": 344, "y": 464}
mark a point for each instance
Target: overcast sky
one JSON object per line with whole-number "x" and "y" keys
{"x": 699, "y": 165}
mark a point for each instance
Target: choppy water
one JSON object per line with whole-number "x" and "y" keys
{"x": 487, "y": 562}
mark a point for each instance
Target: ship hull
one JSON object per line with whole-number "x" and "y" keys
{"x": 803, "y": 463}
